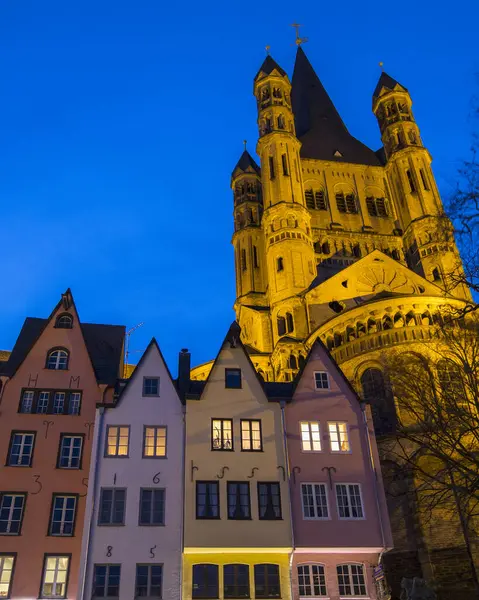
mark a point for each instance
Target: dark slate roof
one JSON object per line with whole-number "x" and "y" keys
{"x": 268, "y": 66}
{"x": 319, "y": 126}
{"x": 386, "y": 81}
{"x": 246, "y": 161}
{"x": 278, "y": 390}
{"x": 104, "y": 344}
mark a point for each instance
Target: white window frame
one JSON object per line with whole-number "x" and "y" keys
{"x": 75, "y": 400}
{"x": 56, "y": 397}
{"x": 70, "y": 453}
{"x": 310, "y": 436}
{"x": 63, "y": 520}
{"x": 316, "y": 517}
{"x": 350, "y": 506}
{"x": 338, "y": 433}
{"x": 3, "y": 570}
{"x": 60, "y": 359}
{"x": 42, "y": 396}
{"x": 22, "y": 446}
{"x": 328, "y": 387}
{"x": 309, "y": 565}
{"x": 353, "y": 594}
{"x": 10, "y": 512}
{"x": 27, "y": 396}
{"x": 56, "y": 571}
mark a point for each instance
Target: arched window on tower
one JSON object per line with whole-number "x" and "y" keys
{"x": 293, "y": 363}
{"x": 301, "y": 361}
{"x": 279, "y": 264}
{"x": 412, "y": 185}
{"x": 436, "y": 274}
{"x": 377, "y": 393}
{"x": 281, "y": 122}
{"x": 281, "y": 324}
{"x": 243, "y": 260}
{"x": 255, "y": 258}
{"x": 289, "y": 322}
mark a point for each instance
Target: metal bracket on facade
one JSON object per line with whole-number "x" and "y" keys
{"x": 283, "y": 471}
{"x": 252, "y": 472}
{"x": 223, "y": 469}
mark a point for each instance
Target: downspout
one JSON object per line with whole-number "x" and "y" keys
{"x": 101, "y": 411}
{"x": 288, "y": 472}
{"x": 183, "y": 485}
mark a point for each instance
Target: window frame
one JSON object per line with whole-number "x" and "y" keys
{"x": 46, "y": 556}
{"x": 50, "y": 401}
{"x": 217, "y": 484}
{"x": 319, "y": 389}
{"x": 229, "y": 370}
{"x": 14, "y": 494}
{"x": 62, "y": 316}
{"x": 213, "y": 449}
{"x": 107, "y": 576}
{"x": 267, "y": 583}
{"x": 246, "y": 483}
{"x": 348, "y": 438}
{"x": 117, "y": 444}
{"x": 149, "y": 377}
{"x": 315, "y": 506}
{"x": 56, "y": 367}
{"x": 310, "y": 436}
{"x": 152, "y": 490}
{"x": 149, "y": 565}
{"x": 155, "y": 427}
{"x": 309, "y": 565}
{"x": 203, "y": 596}
{"x": 23, "y": 393}
{"x": 269, "y": 484}
{"x": 100, "y": 499}
{"x": 350, "y": 518}
{"x": 10, "y": 446}
{"x": 250, "y": 431}
{"x": 351, "y": 588}
{"x": 13, "y": 555}
{"x": 52, "y": 508}
{"x": 64, "y": 435}
{"x": 235, "y": 585}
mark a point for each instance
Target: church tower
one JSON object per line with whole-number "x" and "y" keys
{"x": 428, "y": 234}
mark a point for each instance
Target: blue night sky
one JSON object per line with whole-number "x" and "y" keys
{"x": 120, "y": 124}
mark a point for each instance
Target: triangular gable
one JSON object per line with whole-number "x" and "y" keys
{"x": 371, "y": 275}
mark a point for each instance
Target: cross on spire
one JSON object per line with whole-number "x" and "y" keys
{"x": 299, "y": 39}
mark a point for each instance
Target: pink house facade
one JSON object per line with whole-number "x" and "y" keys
{"x": 339, "y": 514}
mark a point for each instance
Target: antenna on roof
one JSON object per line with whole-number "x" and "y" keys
{"x": 127, "y": 347}
{"x": 245, "y": 142}
{"x": 299, "y": 40}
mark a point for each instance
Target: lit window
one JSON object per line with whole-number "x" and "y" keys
{"x": 152, "y": 507}
{"x": 42, "y": 404}
{"x": 311, "y": 581}
{"x": 315, "y": 501}
{"x": 310, "y": 436}
{"x": 62, "y": 520}
{"x": 269, "y": 501}
{"x": 148, "y": 581}
{"x": 6, "y": 574}
{"x": 266, "y": 581}
{"x": 251, "y": 435}
{"x": 154, "y": 443}
{"x": 321, "y": 380}
{"x": 21, "y": 449}
{"x": 27, "y": 401}
{"x": 58, "y": 403}
{"x": 106, "y": 581}
{"x": 205, "y": 581}
{"x": 70, "y": 452}
{"x": 233, "y": 378}
{"x": 221, "y": 434}
{"x": 58, "y": 360}
{"x": 348, "y": 497}
{"x": 64, "y": 322}
{"x": 338, "y": 437}
{"x": 118, "y": 438}
{"x": 55, "y": 576}
{"x": 112, "y": 506}
{"x": 11, "y": 514}
{"x": 238, "y": 500}
{"x": 151, "y": 386}
{"x": 74, "y": 404}
{"x": 351, "y": 580}
{"x": 236, "y": 581}
{"x": 207, "y": 500}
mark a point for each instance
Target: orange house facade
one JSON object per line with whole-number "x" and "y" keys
{"x": 59, "y": 369}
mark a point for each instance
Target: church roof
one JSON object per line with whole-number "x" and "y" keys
{"x": 268, "y": 66}
{"x": 246, "y": 162}
{"x": 319, "y": 126}
{"x": 387, "y": 82}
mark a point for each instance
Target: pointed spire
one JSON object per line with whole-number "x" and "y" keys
{"x": 388, "y": 82}
{"x": 268, "y": 66}
{"x": 245, "y": 163}
{"x": 319, "y": 126}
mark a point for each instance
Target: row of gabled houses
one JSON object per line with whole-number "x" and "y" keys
{"x": 229, "y": 488}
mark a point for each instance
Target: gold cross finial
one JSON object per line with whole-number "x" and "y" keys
{"x": 245, "y": 142}
{"x": 267, "y": 48}
{"x": 299, "y": 39}
{"x": 381, "y": 64}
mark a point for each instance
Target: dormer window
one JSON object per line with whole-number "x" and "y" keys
{"x": 57, "y": 360}
{"x": 64, "y": 321}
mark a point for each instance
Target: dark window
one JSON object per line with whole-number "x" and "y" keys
{"x": 43, "y": 402}
{"x": 11, "y": 513}
{"x": 148, "y": 581}
{"x": 320, "y": 200}
{"x": 236, "y": 581}
{"x": 436, "y": 275}
{"x": 106, "y": 581}
{"x": 152, "y": 507}
{"x": 55, "y": 576}
{"x": 351, "y": 204}
{"x": 59, "y": 403}
{"x": 207, "y": 500}
{"x": 62, "y": 521}
{"x": 348, "y": 498}
{"x": 424, "y": 180}
{"x": 381, "y": 207}
{"x": 281, "y": 322}
{"x": 251, "y": 439}
{"x": 321, "y": 380}
{"x": 269, "y": 501}
{"x": 112, "y": 506}
{"x": 326, "y": 248}
{"x": 151, "y": 386}
{"x": 70, "y": 452}
{"x": 21, "y": 449}
{"x": 410, "y": 179}
{"x": 75, "y": 403}
{"x": 271, "y": 167}
{"x": 284, "y": 161}
{"x": 279, "y": 263}
{"x": 243, "y": 260}
{"x": 289, "y": 322}
{"x": 266, "y": 581}
{"x": 27, "y": 402}
{"x": 238, "y": 500}
{"x": 371, "y": 206}
{"x": 255, "y": 258}
{"x": 205, "y": 581}
{"x": 378, "y": 394}
{"x": 341, "y": 202}
{"x": 233, "y": 378}
{"x": 7, "y": 564}
{"x": 293, "y": 363}
{"x": 57, "y": 360}
{"x": 64, "y": 322}
{"x": 351, "y": 580}
{"x": 311, "y": 581}
{"x": 117, "y": 440}
{"x": 309, "y": 197}
{"x": 221, "y": 434}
